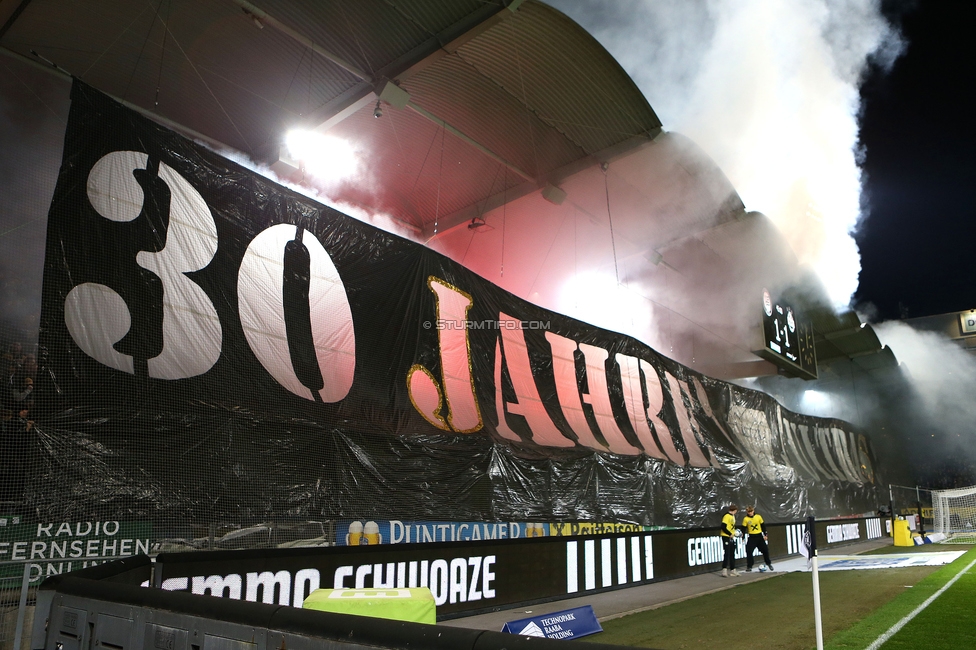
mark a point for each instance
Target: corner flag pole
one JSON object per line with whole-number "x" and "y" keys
{"x": 816, "y": 602}
{"x": 891, "y": 509}
{"x": 809, "y": 550}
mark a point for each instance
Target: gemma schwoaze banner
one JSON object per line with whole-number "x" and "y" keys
{"x": 485, "y": 575}
{"x": 240, "y": 349}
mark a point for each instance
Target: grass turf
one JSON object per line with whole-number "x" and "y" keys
{"x": 778, "y": 612}
{"x": 948, "y": 622}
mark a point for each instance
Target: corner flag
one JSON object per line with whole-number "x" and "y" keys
{"x": 809, "y": 550}
{"x": 809, "y": 546}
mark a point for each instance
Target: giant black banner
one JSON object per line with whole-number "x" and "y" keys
{"x": 219, "y": 348}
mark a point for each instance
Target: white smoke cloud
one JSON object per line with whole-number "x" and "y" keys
{"x": 769, "y": 88}
{"x": 323, "y": 194}
{"x": 33, "y": 112}
{"x": 943, "y": 375}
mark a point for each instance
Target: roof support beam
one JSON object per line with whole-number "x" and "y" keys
{"x": 11, "y": 16}
{"x": 471, "y": 141}
{"x": 437, "y": 45}
{"x": 348, "y": 111}
{"x": 399, "y": 98}
{"x": 844, "y": 333}
{"x": 464, "y": 216}
{"x": 263, "y": 17}
{"x": 57, "y": 71}
{"x": 362, "y": 93}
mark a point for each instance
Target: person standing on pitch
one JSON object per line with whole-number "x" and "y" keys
{"x": 755, "y": 528}
{"x": 729, "y": 533}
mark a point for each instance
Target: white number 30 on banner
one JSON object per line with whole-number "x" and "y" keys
{"x": 97, "y": 317}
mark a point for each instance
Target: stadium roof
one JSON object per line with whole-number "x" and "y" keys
{"x": 845, "y": 337}
{"x": 484, "y": 100}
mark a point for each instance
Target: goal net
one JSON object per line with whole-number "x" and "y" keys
{"x": 954, "y": 512}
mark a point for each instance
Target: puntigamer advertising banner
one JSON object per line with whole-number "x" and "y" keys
{"x": 218, "y": 347}
{"x": 371, "y": 533}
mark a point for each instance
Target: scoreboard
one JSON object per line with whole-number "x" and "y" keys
{"x": 787, "y": 340}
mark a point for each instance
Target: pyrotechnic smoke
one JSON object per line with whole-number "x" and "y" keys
{"x": 942, "y": 375}
{"x": 770, "y": 90}
{"x": 921, "y": 416}
{"x": 324, "y": 188}
{"x": 34, "y": 108}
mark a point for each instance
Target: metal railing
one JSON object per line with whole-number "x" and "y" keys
{"x": 19, "y": 580}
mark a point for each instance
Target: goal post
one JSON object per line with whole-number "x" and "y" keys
{"x": 954, "y": 513}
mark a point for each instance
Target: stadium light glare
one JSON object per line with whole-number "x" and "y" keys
{"x": 597, "y": 298}
{"x": 324, "y": 156}
{"x": 814, "y": 402}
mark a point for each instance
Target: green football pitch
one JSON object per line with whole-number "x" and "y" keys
{"x": 859, "y": 608}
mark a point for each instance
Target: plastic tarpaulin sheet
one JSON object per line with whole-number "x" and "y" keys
{"x": 223, "y": 349}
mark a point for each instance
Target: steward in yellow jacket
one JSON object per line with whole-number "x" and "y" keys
{"x": 729, "y": 533}
{"x": 755, "y": 528}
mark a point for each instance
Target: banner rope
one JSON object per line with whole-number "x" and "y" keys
{"x": 162, "y": 49}
{"x": 203, "y": 81}
{"x": 504, "y": 211}
{"x": 440, "y": 175}
{"x": 613, "y": 243}
{"x": 145, "y": 41}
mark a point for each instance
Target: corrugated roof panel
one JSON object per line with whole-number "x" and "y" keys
{"x": 434, "y": 16}
{"x": 369, "y": 33}
{"x": 491, "y": 116}
{"x": 205, "y": 50}
{"x": 564, "y": 75}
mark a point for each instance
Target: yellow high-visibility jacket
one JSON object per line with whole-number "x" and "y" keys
{"x": 728, "y": 525}
{"x": 754, "y": 525}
